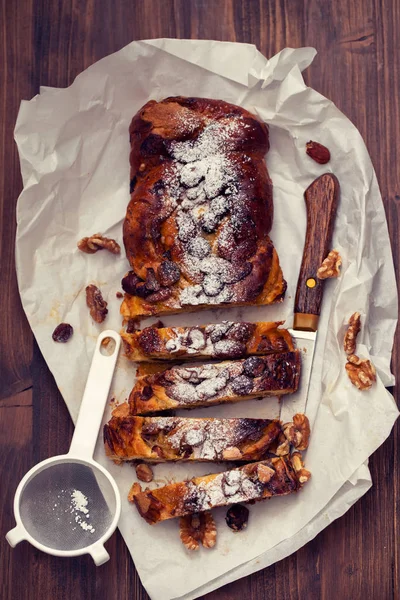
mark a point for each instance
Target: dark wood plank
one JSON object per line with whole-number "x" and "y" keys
{"x": 15, "y": 459}
{"x": 49, "y": 43}
{"x": 16, "y": 83}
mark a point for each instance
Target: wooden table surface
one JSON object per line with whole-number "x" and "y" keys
{"x": 49, "y": 42}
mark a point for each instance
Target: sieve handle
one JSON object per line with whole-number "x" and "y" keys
{"x": 94, "y": 397}
{"x": 99, "y": 555}
{"x": 15, "y": 536}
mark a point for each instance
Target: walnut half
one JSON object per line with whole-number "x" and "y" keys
{"x": 361, "y": 372}
{"x": 297, "y": 432}
{"x": 96, "y": 242}
{"x": 198, "y": 528}
{"x": 350, "y": 337}
{"x": 96, "y": 303}
{"x": 330, "y": 266}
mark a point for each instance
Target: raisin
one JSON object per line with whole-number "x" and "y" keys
{"x": 241, "y": 331}
{"x": 168, "y": 273}
{"x": 160, "y": 296}
{"x": 152, "y": 145}
{"x": 237, "y": 272}
{"x": 146, "y": 393}
{"x": 132, "y": 185}
{"x": 242, "y": 385}
{"x": 62, "y": 333}
{"x": 254, "y": 366}
{"x": 152, "y": 284}
{"x": 237, "y": 517}
{"x": 149, "y": 340}
{"x": 133, "y": 285}
{"x": 229, "y": 349}
{"x": 244, "y": 251}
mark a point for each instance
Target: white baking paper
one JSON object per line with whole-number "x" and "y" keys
{"x": 74, "y": 152}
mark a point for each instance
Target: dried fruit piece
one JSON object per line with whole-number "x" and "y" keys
{"x": 96, "y": 303}
{"x": 237, "y": 517}
{"x": 198, "y": 528}
{"x": 361, "y": 372}
{"x": 350, "y": 337}
{"x": 330, "y": 266}
{"x": 62, "y": 333}
{"x": 146, "y": 393}
{"x": 97, "y": 242}
{"x": 318, "y": 152}
{"x": 144, "y": 472}
{"x": 168, "y": 273}
{"x": 298, "y": 465}
{"x": 119, "y": 295}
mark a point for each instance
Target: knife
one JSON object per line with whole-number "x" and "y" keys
{"x": 321, "y": 199}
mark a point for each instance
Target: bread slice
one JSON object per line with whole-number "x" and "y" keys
{"x": 196, "y": 228}
{"x": 157, "y": 389}
{"x": 219, "y": 340}
{"x": 254, "y": 481}
{"x": 181, "y": 439}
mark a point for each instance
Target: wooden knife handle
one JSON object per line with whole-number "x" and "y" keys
{"x": 321, "y": 199}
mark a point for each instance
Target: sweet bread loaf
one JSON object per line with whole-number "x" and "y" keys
{"x": 196, "y": 228}
{"x": 157, "y": 388}
{"x": 221, "y": 340}
{"x": 176, "y": 439}
{"x": 254, "y": 481}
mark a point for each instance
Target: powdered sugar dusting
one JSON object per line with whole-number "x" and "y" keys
{"x": 203, "y": 182}
{"x": 79, "y": 504}
{"x": 208, "y": 438}
{"x": 232, "y": 486}
{"x": 210, "y": 340}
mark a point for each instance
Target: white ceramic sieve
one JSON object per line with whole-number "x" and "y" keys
{"x": 69, "y": 505}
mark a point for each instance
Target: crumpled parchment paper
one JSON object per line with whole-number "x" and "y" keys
{"x": 73, "y": 146}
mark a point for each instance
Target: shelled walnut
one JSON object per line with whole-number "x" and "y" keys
{"x": 330, "y": 266}
{"x": 96, "y": 303}
{"x": 350, "y": 337}
{"x": 198, "y": 528}
{"x": 361, "y": 372}
{"x": 96, "y": 242}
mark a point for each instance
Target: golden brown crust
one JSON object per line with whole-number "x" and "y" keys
{"x": 159, "y": 439}
{"x": 222, "y": 340}
{"x": 196, "y": 229}
{"x": 157, "y": 389}
{"x": 243, "y": 484}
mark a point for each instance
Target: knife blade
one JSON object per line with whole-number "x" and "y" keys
{"x": 321, "y": 200}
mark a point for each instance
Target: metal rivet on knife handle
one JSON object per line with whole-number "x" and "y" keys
{"x": 321, "y": 199}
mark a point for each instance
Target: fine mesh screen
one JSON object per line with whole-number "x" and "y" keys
{"x": 67, "y": 506}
